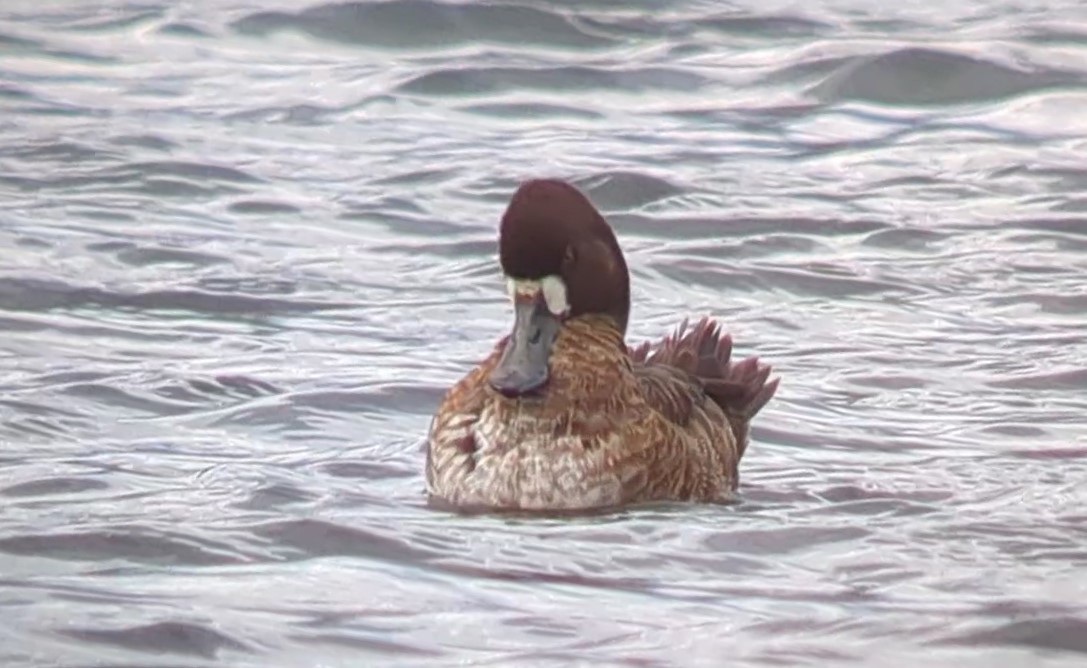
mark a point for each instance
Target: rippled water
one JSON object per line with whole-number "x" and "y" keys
{"x": 244, "y": 246}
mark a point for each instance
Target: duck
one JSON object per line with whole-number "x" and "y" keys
{"x": 564, "y": 415}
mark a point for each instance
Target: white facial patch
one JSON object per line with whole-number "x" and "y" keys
{"x": 551, "y": 287}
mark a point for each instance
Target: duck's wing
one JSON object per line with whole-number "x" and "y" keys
{"x": 671, "y": 391}
{"x": 694, "y": 364}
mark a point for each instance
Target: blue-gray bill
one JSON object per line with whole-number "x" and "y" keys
{"x": 522, "y": 368}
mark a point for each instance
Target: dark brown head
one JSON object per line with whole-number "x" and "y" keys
{"x": 562, "y": 261}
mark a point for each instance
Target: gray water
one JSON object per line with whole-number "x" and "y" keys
{"x": 245, "y": 246}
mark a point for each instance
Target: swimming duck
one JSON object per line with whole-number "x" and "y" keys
{"x": 563, "y": 415}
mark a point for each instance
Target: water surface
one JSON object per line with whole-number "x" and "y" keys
{"x": 244, "y": 247}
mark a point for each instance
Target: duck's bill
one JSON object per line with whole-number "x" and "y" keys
{"x": 523, "y": 366}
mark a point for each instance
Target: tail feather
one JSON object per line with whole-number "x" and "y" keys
{"x": 741, "y": 389}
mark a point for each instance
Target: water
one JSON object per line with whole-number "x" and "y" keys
{"x": 244, "y": 246}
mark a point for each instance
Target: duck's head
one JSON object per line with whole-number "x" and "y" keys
{"x": 561, "y": 261}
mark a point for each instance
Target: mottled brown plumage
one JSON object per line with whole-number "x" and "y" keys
{"x": 612, "y": 425}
